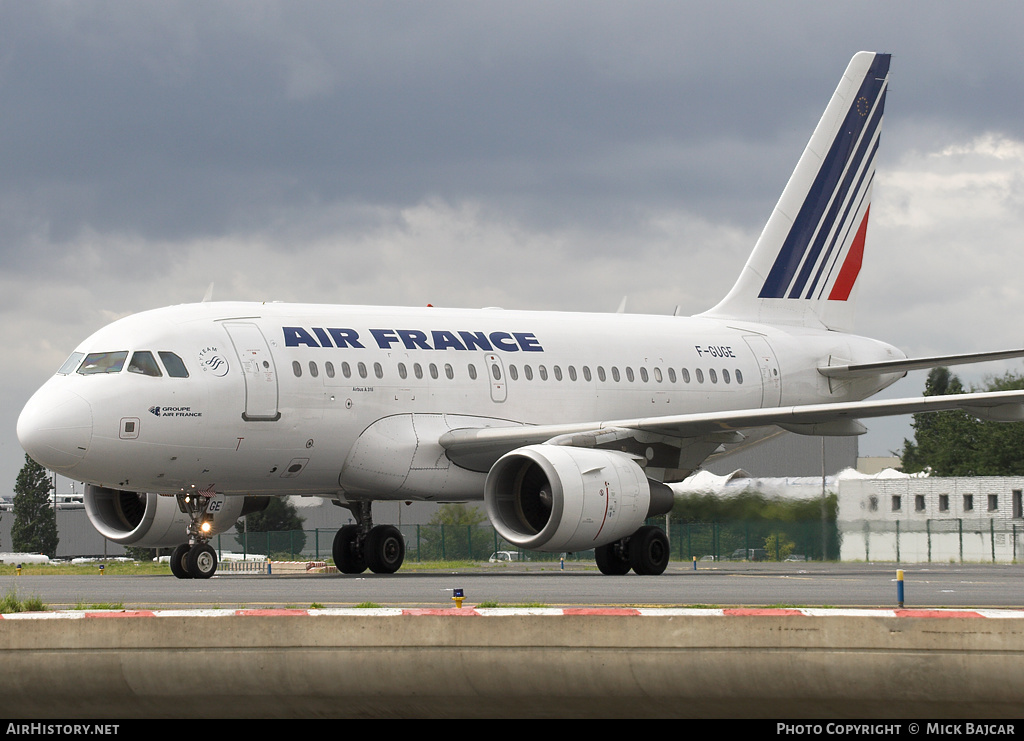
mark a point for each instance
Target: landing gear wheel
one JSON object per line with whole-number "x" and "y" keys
{"x": 178, "y": 565}
{"x": 384, "y": 549}
{"x": 201, "y": 561}
{"x": 648, "y": 551}
{"x": 347, "y": 557}
{"x": 610, "y": 559}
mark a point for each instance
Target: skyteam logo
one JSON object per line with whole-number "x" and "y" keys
{"x": 154, "y": 411}
{"x": 213, "y": 362}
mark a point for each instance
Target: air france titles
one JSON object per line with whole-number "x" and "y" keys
{"x": 413, "y": 339}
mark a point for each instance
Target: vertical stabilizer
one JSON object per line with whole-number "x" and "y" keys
{"x": 804, "y": 267}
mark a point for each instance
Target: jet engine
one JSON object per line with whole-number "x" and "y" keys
{"x": 154, "y": 521}
{"x": 555, "y": 498}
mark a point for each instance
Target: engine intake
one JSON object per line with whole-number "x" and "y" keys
{"x": 555, "y": 498}
{"x": 151, "y": 520}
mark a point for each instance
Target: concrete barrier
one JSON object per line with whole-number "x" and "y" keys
{"x": 514, "y": 663}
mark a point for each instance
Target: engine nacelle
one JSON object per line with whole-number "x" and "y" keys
{"x": 154, "y": 521}
{"x": 555, "y": 498}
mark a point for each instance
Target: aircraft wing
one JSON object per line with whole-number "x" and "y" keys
{"x": 477, "y": 448}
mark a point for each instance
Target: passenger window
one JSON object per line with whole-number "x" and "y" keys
{"x": 600, "y": 374}
{"x": 103, "y": 362}
{"x": 528, "y": 370}
{"x": 513, "y": 373}
{"x": 361, "y": 367}
{"x": 657, "y": 375}
{"x": 672, "y": 375}
{"x": 329, "y": 369}
{"x": 572, "y": 372}
{"x": 313, "y": 370}
{"x": 144, "y": 363}
{"x": 449, "y": 372}
{"x": 543, "y": 372}
{"x": 378, "y": 370}
{"x": 686, "y": 376}
{"x": 739, "y": 376}
{"x": 713, "y": 375}
{"x": 173, "y": 364}
{"x": 644, "y": 376}
{"x": 615, "y": 373}
{"x": 433, "y": 370}
{"x": 472, "y": 372}
{"x": 403, "y": 373}
{"x": 700, "y": 375}
{"x": 346, "y": 370}
{"x": 71, "y": 363}
{"x": 629, "y": 374}
{"x": 417, "y": 370}
{"x": 725, "y": 375}
{"x": 558, "y": 373}
{"x": 297, "y": 368}
{"x": 586, "y": 373}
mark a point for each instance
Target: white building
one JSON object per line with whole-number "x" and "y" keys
{"x": 916, "y": 519}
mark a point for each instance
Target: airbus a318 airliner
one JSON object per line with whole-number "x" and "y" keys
{"x": 568, "y": 426}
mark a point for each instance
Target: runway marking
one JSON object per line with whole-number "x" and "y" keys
{"x": 937, "y": 613}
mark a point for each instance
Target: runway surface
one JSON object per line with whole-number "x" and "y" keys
{"x": 580, "y": 584}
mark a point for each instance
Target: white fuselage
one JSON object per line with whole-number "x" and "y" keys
{"x": 277, "y": 395}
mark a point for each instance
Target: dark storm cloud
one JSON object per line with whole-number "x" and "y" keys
{"x": 180, "y": 119}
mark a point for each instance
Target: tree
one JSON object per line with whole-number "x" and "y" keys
{"x": 280, "y": 516}
{"x": 956, "y": 444}
{"x": 35, "y": 522}
{"x": 456, "y": 534}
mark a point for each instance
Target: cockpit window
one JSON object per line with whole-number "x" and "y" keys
{"x": 143, "y": 362}
{"x": 174, "y": 365}
{"x": 103, "y": 362}
{"x": 71, "y": 363}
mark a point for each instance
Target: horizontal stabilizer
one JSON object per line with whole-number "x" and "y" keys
{"x": 909, "y": 364}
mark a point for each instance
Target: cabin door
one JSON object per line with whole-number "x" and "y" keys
{"x": 771, "y": 381}
{"x": 261, "y": 394}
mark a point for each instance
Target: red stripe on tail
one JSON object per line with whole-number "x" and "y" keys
{"x": 851, "y": 266}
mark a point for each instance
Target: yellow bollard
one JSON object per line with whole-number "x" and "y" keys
{"x": 101, "y": 569}
{"x": 458, "y": 596}
{"x": 18, "y": 569}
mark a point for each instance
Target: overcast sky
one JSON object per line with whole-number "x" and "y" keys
{"x": 534, "y": 155}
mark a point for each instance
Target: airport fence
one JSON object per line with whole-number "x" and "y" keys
{"x": 943, "y": 540}
{"x": 719, "y": 541}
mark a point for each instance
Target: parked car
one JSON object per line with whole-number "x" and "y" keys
{"x": 749, "y": 554}
{"x": 503, "y": 556}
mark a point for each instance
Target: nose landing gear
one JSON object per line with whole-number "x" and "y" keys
{"x": 195, "y": 559}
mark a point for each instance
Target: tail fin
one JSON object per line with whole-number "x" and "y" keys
{"x": 804, "y": 267}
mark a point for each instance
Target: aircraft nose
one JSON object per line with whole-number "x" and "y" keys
{"x": 55, "y": 429}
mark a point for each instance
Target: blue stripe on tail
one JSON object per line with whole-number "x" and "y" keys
{"x": 849, "y": 158}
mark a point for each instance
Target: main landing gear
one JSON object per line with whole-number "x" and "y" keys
{"x": 364, "y": 546}
{"x": 195, "y": 559}
{"x": 646, "y": 552}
